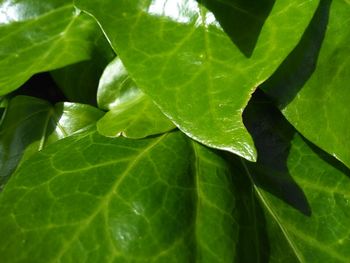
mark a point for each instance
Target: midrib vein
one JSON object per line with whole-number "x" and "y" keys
{"x": 296, "y": 251}
{"x": 106, "y": 199}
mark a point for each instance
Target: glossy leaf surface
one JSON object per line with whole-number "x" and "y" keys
{"x": 229, "y": 221}
{"x": 119, "y": 200}
{"x": 216, "y": 226}
{"x": 30, "y": 124}
{"x": 179, "y": 54}
{"x": 304, "y": 191}
{"x": 131, "y": 112}
{"x": 37, "y": 36}
{"x": 311, "y": 87}
{"x": 69, "y": 194}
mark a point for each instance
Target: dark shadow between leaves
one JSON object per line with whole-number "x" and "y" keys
{"x": 298, "y": 67}
{"x": 41, "y": 86}
{"x": 242, "y": 20}
{"x": 14, "y": 141}
{"x": 272, "y": 136}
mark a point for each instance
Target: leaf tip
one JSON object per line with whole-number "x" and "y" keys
{"x": 247, "y": 152}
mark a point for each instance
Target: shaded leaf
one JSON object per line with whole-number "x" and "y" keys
{"x": 304, "y": 191}
{"x": 216, "y": 226}
{"x": 79, "y": 82}
{"x": 38, "y": 36}
{"x": 180, "y": 56}
{"x": 131, "y": 112}
{"x": 310, "y": 87}
{"x": 30, "y": 124}
{"x": 3, "y": 102}
{"x": 3, "y": 105}
{"x": 229, "y": 221}
{"x": 136, "y": 197}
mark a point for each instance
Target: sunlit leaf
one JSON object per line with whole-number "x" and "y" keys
{"x": 131, "y": 112}
{"x": 120, "y": 200}
{"x": 37, "y": 36}
{"x": 179, "y": 54}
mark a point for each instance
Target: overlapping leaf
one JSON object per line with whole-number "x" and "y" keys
{"x": 79, "y": 82}
{"x": 131, "y": 112}
{"x": 119, "y": 200}
{"x": 216, "y": 226}
{"x": 3, "y": 105}
{"x": 119, "y": 192}
{"x": 311, "y": 86}
{"x": 38, "y": 36}
{"x": 29, "y": 124}
{"x": 88, "y": 198}
{"x": 304, "y": 191}
{"x": 179, "y": 54}
{"x": 221, "y": 187}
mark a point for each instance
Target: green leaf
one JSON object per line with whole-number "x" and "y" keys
{"x": 29, "y": 124}
{"x": 216, "y": 205}
{"x": 131, "y": 112}
{"x": 229, "y": 221}
{"x": 3, "y": 102}
{"x": 304, "y": 191}
{"x": 3, "y": 105}
{"x": 119, "y": 200}
{"x": 179, "y": 55}
{"x": 116, "y": 86}
{"x": 38, "y": 36}
{"x": 310, "y": 86}
{"x": 79, "y": 82}
{"x": 136, "y": 119}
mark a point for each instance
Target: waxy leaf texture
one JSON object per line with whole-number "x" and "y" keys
{"x": 303, "y": 190}
{"x": 179, "y": 54}
{"x": 311, "y": 86}
{"x": 37, "y": 36}
{"x": 79, "y": 81}
{"x": 29, "y": 124}
{"x": 213, "y": 131}
{"x": 131, "y": 112}
{"x": 108, "y": 199}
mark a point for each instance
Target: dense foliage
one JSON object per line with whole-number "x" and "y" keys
{"x": 174, "y": 131}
